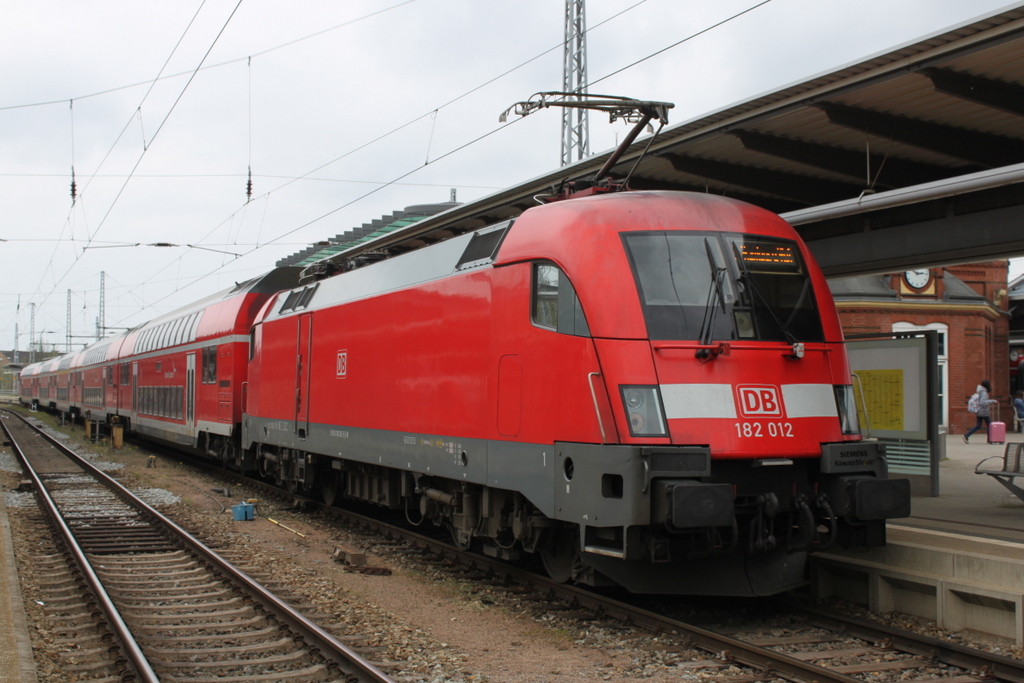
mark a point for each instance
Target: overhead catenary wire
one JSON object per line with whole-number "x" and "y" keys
{"x": 74, "y": 188}
{"x": 91, "y": 234}
{"x": 229, "y": 62}
{"x": 684, "y": 40}
{"x": 248, "y": 184}
{"x": 461, "y": 147}
{"x": 117, "y": 197}
{"x": 394, "y": 181}
{"x": 166, "y": 117}
{"x": 112, "y": 147}
{"x": 398, "y": 179}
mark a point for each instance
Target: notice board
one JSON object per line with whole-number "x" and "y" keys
{"x": 890, "y": 387}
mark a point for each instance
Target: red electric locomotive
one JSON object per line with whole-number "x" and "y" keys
{"x": 648, "y": 389}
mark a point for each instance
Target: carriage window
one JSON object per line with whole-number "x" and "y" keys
{"x": 176, "y": 331}
{"x": 124, "y": 374}
{"x": 210, "y": 365}
{"x": 193, "y": 324}
{"x": 555, "y": 304}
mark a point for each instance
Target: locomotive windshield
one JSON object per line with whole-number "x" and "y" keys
{"x": 720, "y": 286}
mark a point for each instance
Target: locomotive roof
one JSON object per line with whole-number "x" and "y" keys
{"x": 930, "y": 107}
{"x": 554, "y": 231}
{"x": 416, "y": 267}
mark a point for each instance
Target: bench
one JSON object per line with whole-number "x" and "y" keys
{"x": 1013, "y": 459}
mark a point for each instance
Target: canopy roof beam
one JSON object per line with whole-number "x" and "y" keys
{"x": 981, "y": 148}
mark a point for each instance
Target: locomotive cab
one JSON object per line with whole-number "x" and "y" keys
{"x": 722, "y": 361}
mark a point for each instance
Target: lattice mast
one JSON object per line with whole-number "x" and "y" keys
{"x": 67, "y": 328}
{"x": 575, "y": 122}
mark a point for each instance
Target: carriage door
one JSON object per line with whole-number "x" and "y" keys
{"x": 190, "y": 390}
{"x": 302, "y": 363}
{"x": 135, "y": 389}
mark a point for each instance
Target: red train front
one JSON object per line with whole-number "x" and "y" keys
{"x": 648, "y": 389}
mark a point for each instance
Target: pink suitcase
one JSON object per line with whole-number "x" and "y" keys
{"x": 996, "y": 432}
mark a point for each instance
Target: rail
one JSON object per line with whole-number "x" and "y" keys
{"x": 350, "y": 663}
{"x": 129, "y": 646}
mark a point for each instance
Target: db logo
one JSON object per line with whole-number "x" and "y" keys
{"x": 759, "y": 401}
{"x": 342, "y": 369}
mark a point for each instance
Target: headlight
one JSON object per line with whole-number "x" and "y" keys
{"x": 643, "y": 408}
{"x": 634, "y": 398}
{"x": 847, "y": 408}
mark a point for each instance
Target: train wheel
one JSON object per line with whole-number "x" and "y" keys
{"x": 561, "y": 554}
{"x": 330, "y": 487}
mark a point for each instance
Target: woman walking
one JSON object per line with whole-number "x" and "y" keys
{"x": 980, "y": 408}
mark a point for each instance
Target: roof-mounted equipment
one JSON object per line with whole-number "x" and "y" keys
{"x": 638, "y": 112}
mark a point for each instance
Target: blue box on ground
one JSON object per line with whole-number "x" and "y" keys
{"x": 242, "y": 512}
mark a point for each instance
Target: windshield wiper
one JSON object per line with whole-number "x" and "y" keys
{"x": 707, "y": 327}
{"x": 751, "y": 284}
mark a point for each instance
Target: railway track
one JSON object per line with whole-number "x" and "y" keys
{"x": 795, "y": 643}
{"x": 799, "y": 644}
{"x": 145, "y": 601}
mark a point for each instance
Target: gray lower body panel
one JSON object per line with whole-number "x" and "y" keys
{"x": 524, "y": 467}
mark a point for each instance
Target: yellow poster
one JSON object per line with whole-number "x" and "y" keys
{"x": 881, "y": 393}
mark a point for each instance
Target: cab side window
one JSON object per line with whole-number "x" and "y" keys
{"x": 554, "y": 303}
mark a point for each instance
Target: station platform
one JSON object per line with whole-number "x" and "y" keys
{"x": 958, "y": 560}
{"x": 16, "y": 662}
{"x": 969, "y": 503}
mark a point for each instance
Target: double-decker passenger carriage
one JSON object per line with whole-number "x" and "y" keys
{"x": 177, "y": 379}
{"x": 183, "y": 373}
{"x": 646, "y": 388}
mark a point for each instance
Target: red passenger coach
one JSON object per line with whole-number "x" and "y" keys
{"x": 177, "y": 378}
{"x": 182, "y": 374}
{"x": 647, "y": 388}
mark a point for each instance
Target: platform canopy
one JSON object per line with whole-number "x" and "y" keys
{"x": 908, "y": 159}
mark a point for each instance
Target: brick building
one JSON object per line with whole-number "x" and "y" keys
{"x": 966, "y": 304}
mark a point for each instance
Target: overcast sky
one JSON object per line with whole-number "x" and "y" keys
{"x": 343, "y": 110}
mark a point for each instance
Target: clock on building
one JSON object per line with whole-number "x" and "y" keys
{"x": 918, "y": 279}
